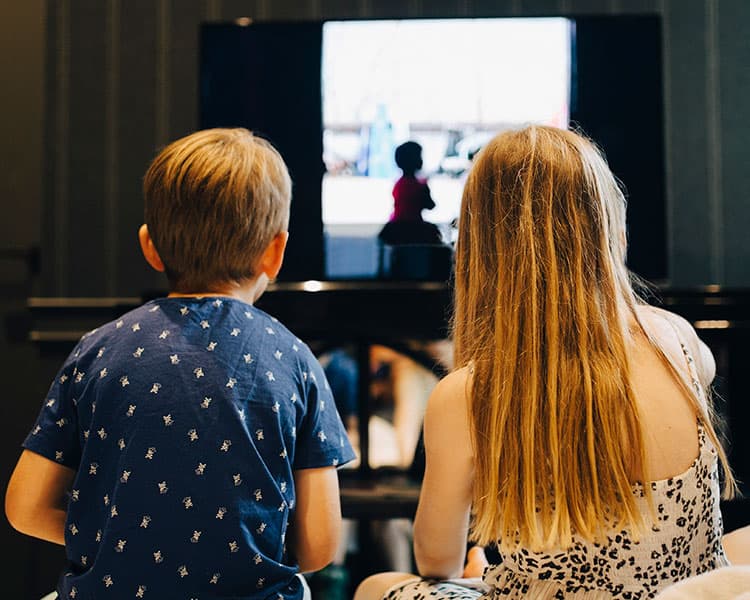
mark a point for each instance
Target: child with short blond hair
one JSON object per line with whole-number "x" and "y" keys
{"x": 190, "y": 448}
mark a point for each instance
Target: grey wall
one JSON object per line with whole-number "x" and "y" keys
{"x": 122, "y": 78}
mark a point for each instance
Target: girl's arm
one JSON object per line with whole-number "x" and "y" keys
{"x": 316, "y": 532}
{"x": 442, "y": 521}
{"x": 36, "y": 497}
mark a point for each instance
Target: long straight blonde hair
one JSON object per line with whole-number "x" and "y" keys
{"x": 543, "y": 308}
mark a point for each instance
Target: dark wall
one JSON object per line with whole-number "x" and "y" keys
{"x": 122, "y": 82}
{"x": 92, "y": 88}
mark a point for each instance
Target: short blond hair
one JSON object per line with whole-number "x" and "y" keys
{"x": 213, "y": 201}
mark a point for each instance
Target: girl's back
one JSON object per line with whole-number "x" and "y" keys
{"x": 682, "y": 470}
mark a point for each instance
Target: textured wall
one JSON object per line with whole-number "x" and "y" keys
{"x": 122, "y": 77}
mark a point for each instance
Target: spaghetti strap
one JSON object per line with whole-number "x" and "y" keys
{"x": 692, "y": 370}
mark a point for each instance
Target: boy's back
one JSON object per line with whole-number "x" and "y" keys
{"x": 194, "y": 413}
{"x": 189, "y": 449}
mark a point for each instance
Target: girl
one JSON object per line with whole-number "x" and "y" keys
{"x": 576, "y": 432}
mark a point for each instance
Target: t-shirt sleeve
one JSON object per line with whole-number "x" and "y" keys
{"x": 55, "y": 432}
{"x": 321, "y": 439}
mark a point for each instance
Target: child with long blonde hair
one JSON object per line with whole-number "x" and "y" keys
{"x": 576, "y": 432}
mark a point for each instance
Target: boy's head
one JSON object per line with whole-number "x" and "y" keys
{"x": 409, "y": 157}
{"x": 214, "y": 201}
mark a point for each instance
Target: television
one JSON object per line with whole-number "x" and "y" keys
{"x": 336, "y": 97}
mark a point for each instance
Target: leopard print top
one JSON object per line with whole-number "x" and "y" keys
{"x": 686, "y": 541}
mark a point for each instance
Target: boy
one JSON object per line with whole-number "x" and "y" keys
{"x": 189, "y": 449}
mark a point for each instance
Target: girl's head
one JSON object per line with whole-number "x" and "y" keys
{"x": 541, "y": 201}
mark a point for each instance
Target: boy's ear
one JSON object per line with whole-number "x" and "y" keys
{"x": 273, "y": 256}
{"x": 149, "y": 250}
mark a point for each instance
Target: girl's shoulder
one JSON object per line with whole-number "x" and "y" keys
{"x": 679, "y": 339}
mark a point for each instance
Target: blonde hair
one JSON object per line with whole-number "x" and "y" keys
{"x": 543, "y": 306}
{"x": 214, "y": 200}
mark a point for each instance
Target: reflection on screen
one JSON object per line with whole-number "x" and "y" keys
{"x": 448, "y": 84}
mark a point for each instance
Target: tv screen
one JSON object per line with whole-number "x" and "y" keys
{"x": 337, "y": 98}
{"x": 447, "y": 84}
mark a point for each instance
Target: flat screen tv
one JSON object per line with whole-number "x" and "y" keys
{"x": 337, "y": 97}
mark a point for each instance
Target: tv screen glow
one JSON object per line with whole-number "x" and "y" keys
{"x": 448, "y": 84}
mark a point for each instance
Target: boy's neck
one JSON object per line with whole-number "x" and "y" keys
{"x": 248, "y": 291}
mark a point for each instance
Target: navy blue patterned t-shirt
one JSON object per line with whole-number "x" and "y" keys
{"x": 185, "y": 421}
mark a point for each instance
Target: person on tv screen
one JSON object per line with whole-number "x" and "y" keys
{"x": 411, "y": 195}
